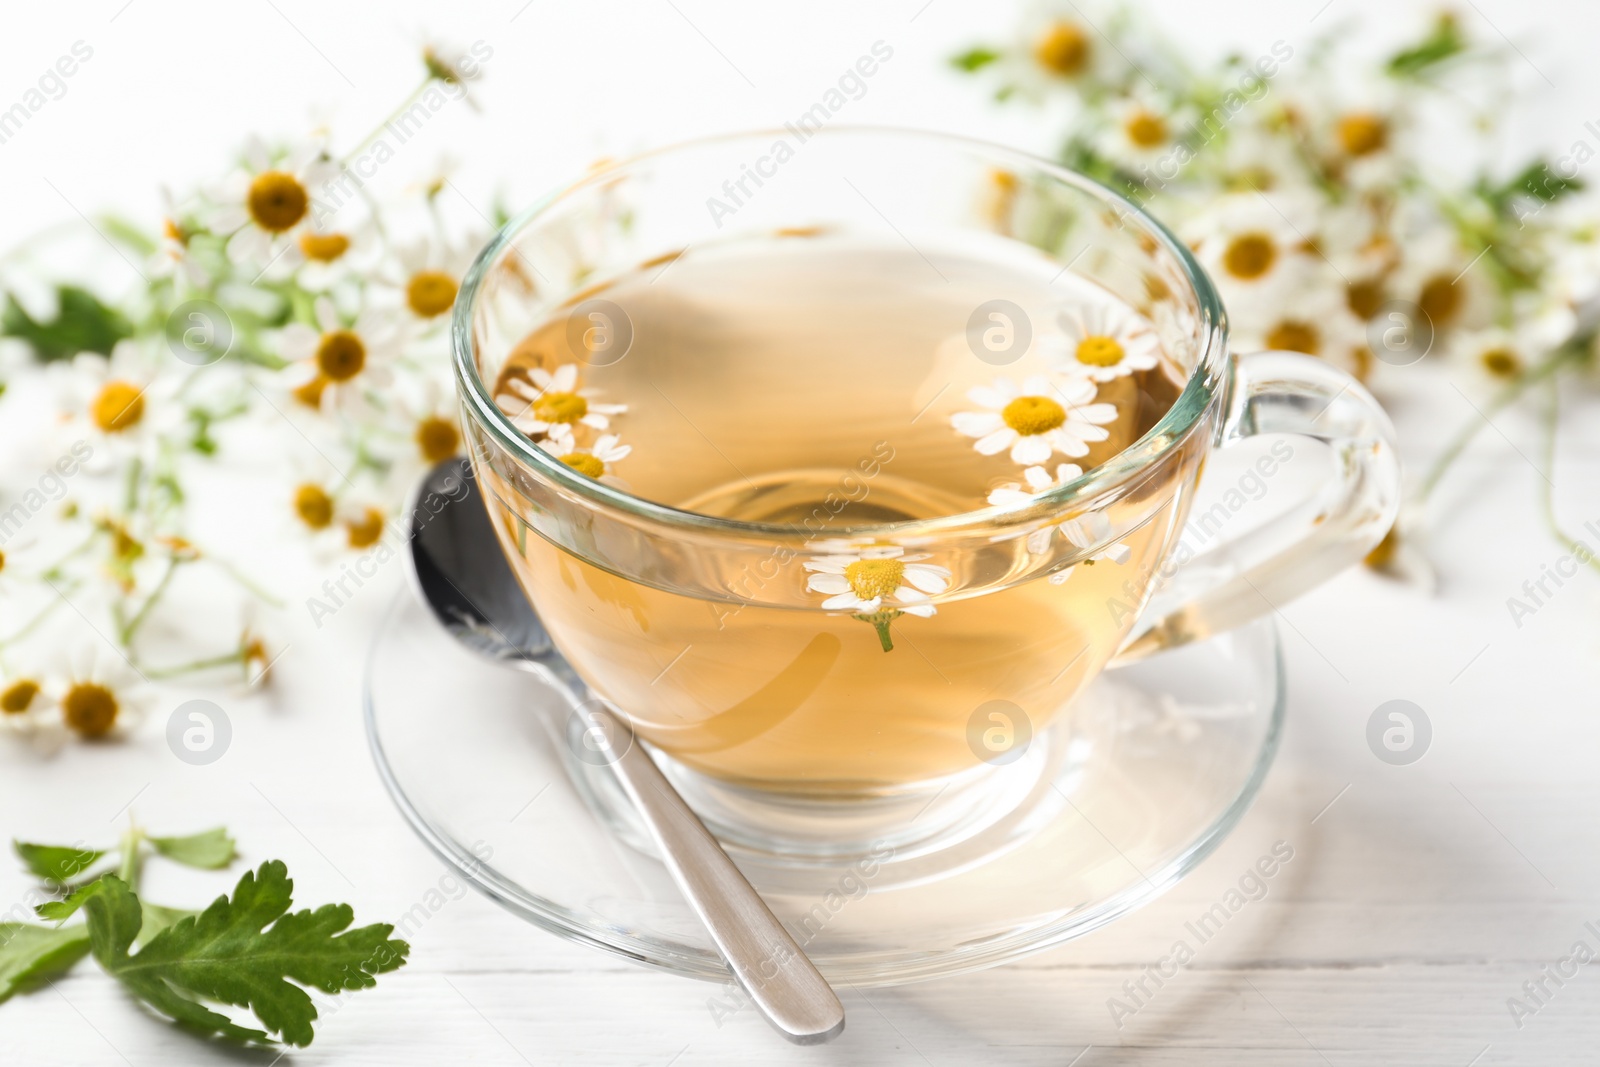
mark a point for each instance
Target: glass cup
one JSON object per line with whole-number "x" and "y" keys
{"x": 706, "y": 633}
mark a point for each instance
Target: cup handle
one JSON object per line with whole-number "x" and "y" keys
{"x": 1260, "y": 571}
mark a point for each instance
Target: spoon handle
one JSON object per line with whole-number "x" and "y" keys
{"x": 782, "y": 982}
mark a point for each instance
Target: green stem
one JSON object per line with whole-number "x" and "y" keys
{"x": 1552, "y": 418}
{"x": 195, "y": 665}
{"x": 131, "y": 848}
{"x": 29, "y": 626}
{"x": 248, "y": 584}
{"x": 131, "y": 627}
{"x": 410, "y": 99}
{"x": 880, "y": 621}
{"x": 1537, "y": 373}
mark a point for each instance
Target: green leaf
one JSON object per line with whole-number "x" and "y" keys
{"x": 157, "y": 919}
{"x": 209, "y": 850}
{"x": 1444, "y": 42}
{"x": 56, "y": 863}
{"x": 31, "y": 954}
{"x": 241, "y": 951}
{"x": 1539, "y": 181}
{"x": 974, "y": 59}
{"x": 82, "y": 324}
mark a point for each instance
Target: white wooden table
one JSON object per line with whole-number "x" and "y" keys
{"x": 1419, "y": 899}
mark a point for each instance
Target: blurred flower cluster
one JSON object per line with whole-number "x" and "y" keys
{"x": 1359, "y": 211}
{"x": 289, "y": 324}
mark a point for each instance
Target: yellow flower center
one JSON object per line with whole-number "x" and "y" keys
{"x": 324, "y": 247}
{"x": 18, "y": 696}
{"x": 341, "y": 355}
{"x": 1290, "y": 336}
{"x": 584, "y": 463}
{"x": 365, "y": 531}
{"x": 1501, "y": 363}
{"x": 1100, "y": 351}
{"x": 560, "y": 407}
{"x": 437, "y": 439}
{"x": 871, "y": 579}
{"x": 314, "y": 506}
{"x": 1249, "y": 256}
{"x": 1364, "y": 298}
{"x": 1440, "y": 299}
{"x": 90, "y": 709}
{"x": 1062, "y": 49}
{"x": 310, "y": 394}
{"x": 118, "y": 406}
{"x": 431, "y": 293}
{"x": 1031, "y": 415}
{"x": 1146, "y": 129}
{"x": 1362, "y": 133}
{"x": 277, "y": 200}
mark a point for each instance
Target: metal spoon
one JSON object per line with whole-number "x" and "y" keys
{"x": 468, "y": 585}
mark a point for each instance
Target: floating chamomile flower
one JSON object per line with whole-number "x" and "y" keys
{"x": 266, "y": 202}
{"x": 877, "y": 583}
{"x": 1086, "y": 531}
{"x": 1106, "y": 341}
{"x": 1035, "y": 480}
{"x": 550, "y": 405}
{"x": 334, "y": 362}
{"x": 595, "y": 461}
{"x": 1040, "y": 418}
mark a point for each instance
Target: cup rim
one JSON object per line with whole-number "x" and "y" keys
{"x": 1203, "y": 385}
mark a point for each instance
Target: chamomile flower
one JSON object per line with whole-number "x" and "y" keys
{"x": 1106, "y": 341}
{"x": 1035, "y": 480}
{"x": 334, "y": 361}
{"x": 595, "y": 461}
{"x": 25, "y": 702}
{"x": 426, "y": 275}
{"x": 116, "y": 404}
{"x": 1254, "y": 244}
{"x": 172, "y": 257}
{"x": 1145, "y": 128}
{"x": 875, "y": 576}
{"x": 1035, "y": 421}
{"x": 102, "y": 697}
{"x": 1083, "y": 532}
{"x": 1446, "y": 283}
{"x": 549, "y": 405}
{"x": 265, "y": 203}
{"x": 1499, "y": 355}
{"x": 1315, "y": 321}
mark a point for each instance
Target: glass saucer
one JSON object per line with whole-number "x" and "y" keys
{"x": 1127, "y": 792}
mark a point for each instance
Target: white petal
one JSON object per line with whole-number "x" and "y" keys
{"x": 609, "y": 409}
{"x": 1030, "y": 450}
{"x": 828, "y": 564}
{"x": 987, "y": 396}
{"x": 1096, "y": 413}
{"x": 907, "y": 595}
{"x": 541, "y": 377}
{"x": 327, "y": 316}
{"x": 997, "y": 442}
{"x": 255, "y": 153}
{"x": 298, "y": 341}
{"x": 882, "y": 552}
{"x": 828, "y": 583}
{"x": 249, "y": 244}
{"x": 1038, "y": 478}
{"x": 976, "y": 423}
{"x": 928, "y": 578}
{"x": 599, "y": 422}
{"x": 921, "y": 611}
{"x": 1036, "y": 385}
{"x": 523, "y": 389}
{"x": 565, "y": 377}
{"x": 1076, "y": 392}
{"x": 1007, "y": 497}
{"x": 1039, "y": 540}
{"x": 1062, "y": 575}
{"x": 1117, "y": 553}
{"x": 848, "y": 602}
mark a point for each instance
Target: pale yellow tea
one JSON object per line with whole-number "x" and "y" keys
{"x": 829, "y": 382}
